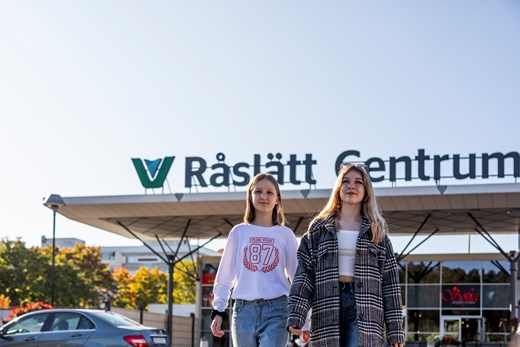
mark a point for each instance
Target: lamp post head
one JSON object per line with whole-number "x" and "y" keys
{"x": 54, "y": 202}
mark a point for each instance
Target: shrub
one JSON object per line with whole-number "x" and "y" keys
{"x": 449, "y": 340}
{"x": 29, "y": 307}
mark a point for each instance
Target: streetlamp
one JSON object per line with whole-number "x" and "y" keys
{"x": 54, "y": 202}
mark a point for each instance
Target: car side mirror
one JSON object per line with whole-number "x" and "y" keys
{"x": 2, "y": 333}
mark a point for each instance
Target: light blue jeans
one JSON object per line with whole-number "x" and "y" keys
{"x": 259, "y": 323}
{"x": 349, "y": 328}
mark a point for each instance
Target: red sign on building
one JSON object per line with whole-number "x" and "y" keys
{"x": 461, "y": 296}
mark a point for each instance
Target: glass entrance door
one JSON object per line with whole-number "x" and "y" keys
{"x": 451, "y": 326}
{"x": 470, "y": 328}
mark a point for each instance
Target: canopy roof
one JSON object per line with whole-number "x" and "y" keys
{"x": 492, "y": 208}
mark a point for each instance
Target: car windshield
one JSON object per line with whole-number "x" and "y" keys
{"x": 115, "y": 319}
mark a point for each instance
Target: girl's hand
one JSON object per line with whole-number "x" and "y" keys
{"x": 293, "y": 329}
{"x": 216, "y": 327}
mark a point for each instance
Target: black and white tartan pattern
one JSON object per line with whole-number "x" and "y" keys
{"x": 316, "y": 285}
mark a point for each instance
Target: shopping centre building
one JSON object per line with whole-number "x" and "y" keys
{"x": 471, "y": 296}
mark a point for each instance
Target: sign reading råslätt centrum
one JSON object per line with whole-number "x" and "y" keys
{"x": 297, "y": 170}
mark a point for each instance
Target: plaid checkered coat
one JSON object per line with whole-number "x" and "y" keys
{"x": 316, "y": 285}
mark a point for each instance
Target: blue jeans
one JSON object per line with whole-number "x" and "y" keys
{"x": 259, "y": 323}
{"x": 349, "y": 329}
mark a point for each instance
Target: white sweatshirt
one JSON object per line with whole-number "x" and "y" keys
{"x": 258, "y": 263}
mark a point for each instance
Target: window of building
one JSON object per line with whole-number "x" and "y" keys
{"x": 108, "y": 255}
{"x": 497, "y": 325}
{"x": 461, "y": 312}
{"x": 132, "y": 259}
{"x": 423, "y": 272}
{"x": 402, "y": 271}
{"x": 496, "y": 271}
{"x": 422, "y": 324}
{"x": 423, "y": 296}
{"x": 147, "y": 259}
{"x": 461, "y": 272}
{"x": 495, "y": 296}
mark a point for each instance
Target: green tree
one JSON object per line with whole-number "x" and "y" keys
{"x": 94, "y": 275}
{"x": 5, "y": 302}
{"x": 184, "y": 282}
{"x": 24, "y": 273}
{"x": 123, "y": 297}
{"x": 145, "y": 287}
{"x": 151, "y": 286}
{"x": 80, "y": 276}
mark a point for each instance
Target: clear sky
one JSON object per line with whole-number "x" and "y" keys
{"x": 87, "y": 85}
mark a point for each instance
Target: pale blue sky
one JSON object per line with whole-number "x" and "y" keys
{"x": 87, "y": 85}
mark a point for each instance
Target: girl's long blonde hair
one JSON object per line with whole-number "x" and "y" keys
{"x": 278, "y": 216}
{"x": 369, "y": 208}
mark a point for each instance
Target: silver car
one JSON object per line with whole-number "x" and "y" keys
{"x": 79, "y": 327}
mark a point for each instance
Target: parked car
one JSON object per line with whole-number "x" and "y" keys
{"x": 79, "y": 327}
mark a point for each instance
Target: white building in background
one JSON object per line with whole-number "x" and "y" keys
{"x": 134, "y": 257}
{"x": 68, "y": 242}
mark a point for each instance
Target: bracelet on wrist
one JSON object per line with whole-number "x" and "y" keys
{"x": 214, "y": 313}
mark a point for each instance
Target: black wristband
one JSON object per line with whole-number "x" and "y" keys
{"x": 214, "y": 313}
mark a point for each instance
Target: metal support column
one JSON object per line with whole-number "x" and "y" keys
{"x": 53, "y": 266}
{"x": 171, "y": 264}
{"x": 513, "y": 302}
{"x": 171, "y": 259}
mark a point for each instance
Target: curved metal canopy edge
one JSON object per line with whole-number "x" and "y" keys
{"x": 493, "y": 208}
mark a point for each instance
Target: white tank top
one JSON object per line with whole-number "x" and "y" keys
{"x": 347, "y": 250}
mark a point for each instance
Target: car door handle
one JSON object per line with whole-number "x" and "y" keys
{"x": 30, "y": 338}
{"x": 76, "y": 335}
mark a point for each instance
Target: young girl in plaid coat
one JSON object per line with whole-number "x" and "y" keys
{"x": 347, "y": 271}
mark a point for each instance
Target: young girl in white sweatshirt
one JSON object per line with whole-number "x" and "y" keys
{"x": 256, "y": 270}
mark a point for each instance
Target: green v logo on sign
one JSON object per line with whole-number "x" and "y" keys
{"x": 153, "y": 176}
